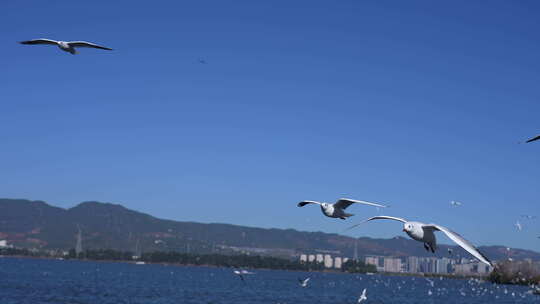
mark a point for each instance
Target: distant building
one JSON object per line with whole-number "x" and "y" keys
{"x": 463, "y": 269}
{"x": 328, "y": 262}
{"x": 319, "y": 258}
{"x": 376, "y": 261}
{"x": 392, "y": 264}
{"x": 3, "y": 244}
{"x": 443, "y": 265}
{"x": 427, "y": 265}
{"x": 303, "y": 258}
{"x": 311, "y": 258}
{"x": 412, "y": 264}
{"x": 372, "y": 260}
{"x": 337, "y": 262}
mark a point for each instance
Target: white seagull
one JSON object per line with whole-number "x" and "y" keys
{"x": 454, "y": 203}
{"x": 518, "y": 226}
{"x": 425, "y": 233}
{"x": 241, "y": 273}
{"x": 303, "y": 282}
{"x": 337, "y": 210}
{"x": 67, "y": 46}
{"x": 362, "y": 297}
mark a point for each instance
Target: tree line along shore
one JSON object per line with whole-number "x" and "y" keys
{"x": 507, "y": 272}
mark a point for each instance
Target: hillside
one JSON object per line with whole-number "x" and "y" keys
{"x": 35, "y": 224}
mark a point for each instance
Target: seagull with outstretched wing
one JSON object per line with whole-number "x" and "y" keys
{"x": 454, "y": 203}
{"x": 303, "y": 282}
{"x": 67, "y": 46}
{"x": 425, "y": 233}
{"x": 363, "y": 296}
{"x": 533, "y": 139}
{"x": 337, "y": 210}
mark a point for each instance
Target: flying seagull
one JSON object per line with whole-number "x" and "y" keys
{"x": 454, "y": 203}
{"x": 303, "y": 282}
{"x": 362, "y": 297}
{"x": 337, "y": 210}
{"x": 533, "y": 139}
{"x": 67, "y": 46}
{"x": 518, "y": 226}
{"x": 425, "y": 233}
{"x": 201, "y": 61}
{"x": 241, "y": 273}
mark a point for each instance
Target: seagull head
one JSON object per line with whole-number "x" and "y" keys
{"x": 408, "y": 227}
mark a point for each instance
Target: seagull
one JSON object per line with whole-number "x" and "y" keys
{"x": 518, "y": 226}
{"x": 363, "y": 296}
{"x": 533, "y": 139}
{"x": 67, "y": 46}
{"x": 454, "y": 203}
{"x": 529, "y": 217}
{"x": 303, "y": 282}
{"x": 241, "y": 273}
{"x": 337, "y": 210}
{"x": 201, "y": 61}
{"x": 425, "y": 233}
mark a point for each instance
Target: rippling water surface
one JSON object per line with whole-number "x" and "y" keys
{"x": 53, "y": 281}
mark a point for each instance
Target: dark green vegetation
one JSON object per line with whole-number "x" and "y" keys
{"x": 516, "y": 272}
{"x": 358, "y": 266}
{"x": 240, "y": 261}
{"x": 35, "y": 224}
{"x": 229, "y": 261}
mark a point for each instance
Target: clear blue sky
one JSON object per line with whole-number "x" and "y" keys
{"x": 409, "y": 103}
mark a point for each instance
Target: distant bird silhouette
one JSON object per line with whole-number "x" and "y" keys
{"x": 67, "y": 46}
{"x": 202, "y": 61}
{"x": 303, "y": 282}
{"x": 454, "y": 203}
{"x": 241, "y": 273}
{"x": 533, "y": 139}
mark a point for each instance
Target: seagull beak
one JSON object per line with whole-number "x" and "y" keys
{"x": 404, "y": 230}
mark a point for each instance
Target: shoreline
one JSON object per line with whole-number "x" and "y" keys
{"x": 401, "y": 274}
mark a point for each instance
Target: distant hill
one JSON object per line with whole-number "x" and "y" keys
{"x": 35, "y": 224}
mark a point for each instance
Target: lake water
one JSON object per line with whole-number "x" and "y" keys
{"x": 53, "y": 281}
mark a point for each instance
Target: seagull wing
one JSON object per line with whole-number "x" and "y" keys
{"x": 458, "y": 239}
{"x": 303, "y": 203}
{"x": 363, "y": 296}
{"x": 533, "y": 139}
{"x": 380, "y": 217}
{"x": 88, "y": 44}
{"x": 39, "y": 41}
{"x": 343, "y": 203}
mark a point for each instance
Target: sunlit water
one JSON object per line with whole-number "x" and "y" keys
{"x": 53, "y": 281}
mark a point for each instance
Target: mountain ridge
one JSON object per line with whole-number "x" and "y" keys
{"x": 37, "y": 224}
